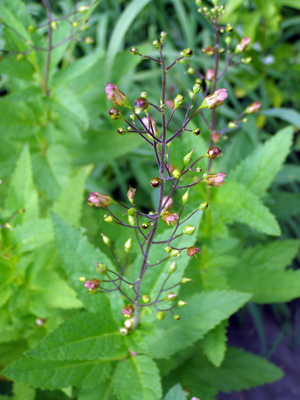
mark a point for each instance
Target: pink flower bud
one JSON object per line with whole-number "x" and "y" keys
{"x": 242, "y": 46}
{"x": 96, "y": 199}
{"x": 210, "y": 74}
{"x": 167, "y": 203}
{"x": 150, "y": 125}
{"x": 192, "y": 251}
{"x": 215, "y": 179}
{"x": 214, "y": 152}
{"x": 195, "y": 398}
{"x": 214, "y": 100}
{"x": 114, "y": 113}
{"x": 128, "y": 310}
{"x": 141, "y": 104}
{"x": 170, "y": 218}
{"x": 170, "y": 104}
{"x": 93, "y": 284}
{"x": 210, "y": 50}
{"x": 254, "y": 107}
{"x": 115, "y": 95}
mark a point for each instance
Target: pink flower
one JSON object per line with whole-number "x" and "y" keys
{"x": 128, "y": 310}
{"x": 214, "y": 100}
{"x": 93, "y": 284}
{"x": 215, "y": 179}
{"x": 115, "y": 95}
{"x": 167, "y": 203}
{"x": 170, "y": 103}
{"x": 254, "y": 107}
{"x": 192, "y": 251}
{"x": 210, "y": 74}
{"x": 150, "y": 126}
{"x": 195, "y": 398}
{"x": 170, "y": 218}
{"x": 96, "y": 199}
{"x": 242, "y": 46}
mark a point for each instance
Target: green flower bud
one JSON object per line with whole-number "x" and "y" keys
{"x": 196, "y": 131}
{"x": 134, "y": 50}
{"x": 89, "y": 40}
{"x": 109, "y": 219}
{"x": 160, "y": 315}
{"x": 186, "y": 280}
{"x": 247, "y": 60}
{"x": 181, "y": 303}
{"x": 178, "y": 101}
{"x": 19, "y": 57}
{"x": 229, "y": 28}
{"x": 155, "y": 182}
{"x": 101, "y": 268}
{"x": 131, "y": 211}
{"x": 123, "y": 331}
{"x": 53, "y": 25}
{"x": 128, "y": 245}
{"x": 128, "y": 323}
{"x": 31, "y": 29}
{"x": 203, "y": 206}
{"x": 145, "y": 225}
{"x": 168, "y": 249}
{"x": 122, "y": 131}
{"x": 185, "y": 197}
{"x": 175, "y": 253}
{"x": 196, "y": 88}
{"x": 228, "y": 40}
{"x": 105, "y": 239}
{"x": 83, "y": 9}
{"x": 144, "y": 95}
{"x": 176, "y": 317}
{"x": 231, "y": 125}
{"x": 189, "y": 230}
{"x": 146, "y": 299}
{"x": 171, "y": 296}
{"x": 131, "y": 220}
{"x": 176, "y": 173}
{"x": 82, "y": 279}
{"x": 198, "y": 3}
{"x": 84, "y": 27}
{"x": 187, "y": 158}
{"x": 156, "y": 43}
{"x": 186, "y": 53}
{"x": 190, "y": 71}
{"x": 245, "y": 120}
{"x": 75, "y": 24}
{"x": 172, "y": 267}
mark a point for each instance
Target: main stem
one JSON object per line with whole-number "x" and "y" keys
{"x": 160, "y": 201}
{"x": 49, "y": 48}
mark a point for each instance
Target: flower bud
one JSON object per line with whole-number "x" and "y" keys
{"x": 215, "y": 179}
{"x": 253, "y": 108}
{"x": 210, "y": 74}
{"x": 216, "y": 137}
{"x": 19, "y": 57}
{"x": 247, "y": 60}
{"x": 123, "y": 331}
{"x": 155, "y": 182}
{"x": 176, "y": 317}
{"x": 128, "y": 245}
{"x": 196, "y": 88}
{"x": 145, "y": 225}
{"x": 122, "y": 131}
{"x": 190, "y": 71}
{"x": 198, "y": 3}
{"x": 101, "y": 268}
{"x": 214, "y": 100}
{"x": 178, "y": 101}
{"x": 213, "y": 152}
{"x": 75, "y": 24}
{"x": 245, "y": 120}
{"x": 228, "y": 40}
{"x": 187, "y": 158}
{"x": 171, "y": 296}
{"x": 181, "y": 303}
{"x": 185, "y": 197}
{"x": 186, "y": 53}
{"x": 31, "y": 28}
{"x": 229, "y": 28}
{"x": 93, "y": 284}
{"x": 131, "y": 194}
{"x": 156, "y": 43}
{"x": 89, "y": 40}
{"x": 192, "y": 251}
{"x": 196, "y": 131}
{"x": 203, "y": 206}
{"x": 82, "y": 279}
{"x": 134, "y": 50}
{"x": 131, "y": 211}
{"x": 231, "y": 125}
{"x": 189, "y": 230}
{"x": 141, "y": 104}
{"x": 144, "y": 94}
{"x": 83, "y": 9}
{"x": 242, "y": 45}
{"x": 115, "y": 95}
{"x": 128, "y": 310}
{"x": 105, "y": 239}
{"x": 160, "y": 315}
{"x": 170, "y": 218}
{"x": 53, "y": 25}
{"x": 170, "y": 104}
{"x": 109, "y": 219}
{"x": 167, "y": 202}
{"x": 150, "y": 124}
{"x": 131, "y": 220}
{"x": 84, "y": 27}
{"x": 176, "y": 173}
{"x": 128, "y": 323}
{"x": 209, "y": 51}
{"x": 175, "y": 253}
{"x": 186, "y": 280}
{"x": 146, "y": 299}
{"x": 96, "y": 199}
{"x": 168, "y": 249}
{"x": 114, "y": 113}
{"x": 172, "y": 267}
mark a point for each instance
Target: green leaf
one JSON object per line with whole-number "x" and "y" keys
{"x": 48, "y": 374}
{"x": 261, "y": 270}
{"x": 21, "y": 193}
{"x": 137, "y": 379}
{"x": 237, "y": 204}
{"x": 288, "y": 3}
{"x": 86, "y": 336}
{"x": 286, "y": 114}
{"x": 32, "y": 234}
{"x": 239, "y": 371}
{"x": 22, "y": 392}
{"x": 69, "y": 204}
{"x": 258, "y": 170}
{"x": 176, "y": 393}
{"x": 204, "y": 312}
{"x": 214, "y": 344}
{"x": 284, "y": 204}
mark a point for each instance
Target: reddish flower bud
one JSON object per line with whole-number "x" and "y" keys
{"x": 192, "y": 251}
{"x": 214, "y": 152}
{"x": 215, "y": 179}
{"x": 141, "y": 104}
{"x": 114, "y": 113}
{"x": 214, "y": 100}
{"x": 167, "y": 202}
{"x": 216, "y": 137}
{"x": 150, "y": 125}
{"x": 115, "y": 95}
{"x": 253, "y": 108}
{"x": 170, "y": 218}
{"x": 170, "y": 103}
{"x": 155, "y": 182}
{"x": 128, "y": 310}
{"x": 210, "y": 74}
{"x": 134, "y": 50}
{"x": 145, "y": 225}
{"x": 131, "y": 194}
{"x": 96, "y": 199}
{"x": 242, "y": 45}
{"x": 210, "y": 50}
{"x": 196, "y": 131}
{"x": 93, "y": 284}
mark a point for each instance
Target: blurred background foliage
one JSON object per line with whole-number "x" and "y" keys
{"x": 54, "y": 149}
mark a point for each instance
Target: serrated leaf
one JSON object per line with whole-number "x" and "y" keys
{"x": 286, "y": 114}
{"x": 69, "y": 203}
{"x": 32, "y": 234}
{"x": 258, "y": 170}
{"x": 22, "y": 392}
{"x": 203, "y": 313}
{"x": 214, "y": 344}
{"x": 86, "y": 336}
{"x": 176, "y": 393}
{"x": 137, "y": 379}
{"x": 261, "y": 270}
{"x": 237, "y": 204}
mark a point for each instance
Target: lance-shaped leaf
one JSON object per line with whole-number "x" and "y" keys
{"x": 214, "y": 344}
{"x": 176, "y": 393}
{"x": 87, "y": 336}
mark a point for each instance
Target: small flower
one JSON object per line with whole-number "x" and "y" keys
{"x": 192, "y": 251}
{"x": 114, "y": 113}
{"x": 96, "y": 199}
{"x": 150, "y": 124}
{"x": 210, "y": 50}
{"x": 242, "y": 45}
{"x": 210, "y": 74}
{"x": 215, "y": 179}
{"x": 170, "y": 218}
{"x": 93, "y": 284}
{"x": 115, "y": 95}
{"x": 253, "y": 108}
{"x": 167, "y": 202}
{"x": 140, "y": 104}
{"x": 214, "y": 152}
{"x": 128, "y": 310}
{"x": 131, "y": 194}
{"x": 195, "y": 398}
{"x": 215, "y": 99}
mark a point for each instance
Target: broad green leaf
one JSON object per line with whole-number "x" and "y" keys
{"x": 21, "y": 193}
{"x": 261, "y": 270}
{"x": 69, "y": 204}
{"x": 22, "y": 392}
{"x": 176, "y": 393}
{"x": 236, "y": 203}
{"x": 239, "y": 371}
{"x": 214, "y": 344}
{"x": 32, "y": 234}
{"x": 48, "y": 374}
{"x": 258, "y": 170}
{"x": 137, "y": 379}
{"x": 86, "y": 336}
{"x": 286, "y": 114}
{"x": 204, "y": 312}
{"x": 104, "y": 391}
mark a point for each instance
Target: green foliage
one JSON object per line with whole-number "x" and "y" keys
{"x": 214, "y": 344}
